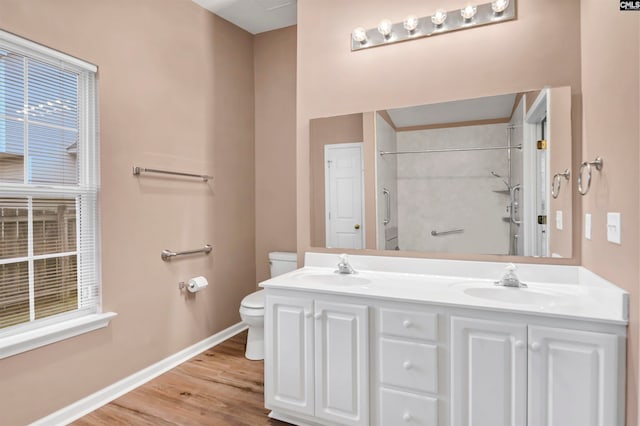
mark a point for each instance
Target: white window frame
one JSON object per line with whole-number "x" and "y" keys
{"x": 33, "y": 334}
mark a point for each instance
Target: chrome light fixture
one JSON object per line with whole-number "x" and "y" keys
{"x": 410, "y": 23}
{"x": 359, "y": 35}
{"x": 439, "y": 17}
{"x": 414, "y": 27}
{"x": 385, "y": 27}
{"x": 468, "y": 12}
{"x": 499, "y": 6}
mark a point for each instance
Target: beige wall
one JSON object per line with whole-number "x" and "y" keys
{"x": 176, "y": 91}
{"x": 496, "y": 59}
{"x": 559, "y": 123}
{"x": 610, "y": 73}
{"x": 275, "y": 139}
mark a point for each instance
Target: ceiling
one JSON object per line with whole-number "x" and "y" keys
{"x": 491, "y": 107}
{"x": 255, "y": 16}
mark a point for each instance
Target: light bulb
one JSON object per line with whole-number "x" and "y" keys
{"x": 360, "y": 35}
{"x": 410, "y": 23}
{"x": 439, "y": 17}
{"x": 499, "y": 6}
{"x": 468, "y": 12}
{"x": 384, "y": 27}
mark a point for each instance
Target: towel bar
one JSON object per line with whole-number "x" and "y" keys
{"x": 168, "y": 254}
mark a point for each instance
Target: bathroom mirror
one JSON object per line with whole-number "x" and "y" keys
{"x": 472, "y": 176}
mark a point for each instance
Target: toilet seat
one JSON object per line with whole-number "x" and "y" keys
{"x": 251, "y": 312}
{"x": 254, "y": 300}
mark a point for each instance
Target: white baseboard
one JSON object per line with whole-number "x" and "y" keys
{"x": 96, "y": 400}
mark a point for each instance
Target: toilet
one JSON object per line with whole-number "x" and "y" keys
{"x": 252, "y": 306}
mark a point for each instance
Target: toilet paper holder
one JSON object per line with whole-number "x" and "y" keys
{"x": 192, "y": 284}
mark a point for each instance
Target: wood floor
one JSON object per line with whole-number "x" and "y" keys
{"x": 217, "y": 387}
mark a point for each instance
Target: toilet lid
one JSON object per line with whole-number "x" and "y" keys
{"x": 254, "y": 300}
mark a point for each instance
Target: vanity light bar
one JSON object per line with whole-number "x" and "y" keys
{"x": 414, "y": 28}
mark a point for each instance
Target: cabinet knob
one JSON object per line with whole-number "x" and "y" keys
{"x": 308, "y": 314}
{"x": 406, "y": 417}
{"x": 318, "y": 315}
{"x": 535, "y": 346}
{"x": 407, "y": 365}
{"x": 407, "y": 323}
{"x": 519, "y": 344}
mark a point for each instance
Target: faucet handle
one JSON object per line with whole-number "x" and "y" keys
{"x": 343, "y": 258}
{"x": 510, "y": 267}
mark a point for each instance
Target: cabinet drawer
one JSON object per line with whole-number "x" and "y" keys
{"x": 409, "y": 365}
{"x": 416, "y": 325}
{"x": 397, "y": 408}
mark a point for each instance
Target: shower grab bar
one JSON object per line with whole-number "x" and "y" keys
{"x": 514, "y": 204}
{"x": 137, "y": 171}
{"x": 429, "y": 151}
{"x": 168, "y": 254}
{"x": 387, "y": 204}
{"x": 451, "y": 231}
{"x": 556, "y": 181}
{"x": 598, "y": 162}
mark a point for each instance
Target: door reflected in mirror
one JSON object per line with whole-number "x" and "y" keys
{"x": 471, "y": 176}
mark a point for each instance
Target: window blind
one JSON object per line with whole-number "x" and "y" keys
{"x": 49, "y": 259}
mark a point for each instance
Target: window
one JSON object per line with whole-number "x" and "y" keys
{"x": 49, "y": 260}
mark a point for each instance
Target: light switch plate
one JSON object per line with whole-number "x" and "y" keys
{"x": 587, "y": 226}
{"x": 559, "y": 220}
{"x": 613, "y": 228}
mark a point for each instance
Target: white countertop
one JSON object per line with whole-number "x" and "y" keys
{"x": 559, "y": 291}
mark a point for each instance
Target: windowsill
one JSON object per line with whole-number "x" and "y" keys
{"x": 42, "y": 336}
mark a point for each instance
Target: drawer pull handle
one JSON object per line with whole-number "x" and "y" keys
{"x": 406, "y": 417}
{"x": 535, "y": 346}
{"x": 407, "y": 365}
{"x": 519, "y": 344}
{"x": 407, "y": 323}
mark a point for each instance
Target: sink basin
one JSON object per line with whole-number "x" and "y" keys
{"x": 335, "y": 279}
{"x": 520, "y": 296}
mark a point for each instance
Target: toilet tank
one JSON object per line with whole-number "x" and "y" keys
{"x": 282, "y": 262}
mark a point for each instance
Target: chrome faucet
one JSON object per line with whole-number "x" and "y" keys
{"x": 510, "y": 279}
{"x": 344, "y": 267}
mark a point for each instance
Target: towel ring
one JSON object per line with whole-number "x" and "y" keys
{"x": 598, "y": 165}
{"x": 556, "y": 181}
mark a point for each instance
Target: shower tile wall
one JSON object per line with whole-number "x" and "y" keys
{"x": 453, "y": 190}
{"x": 386, "y": 173}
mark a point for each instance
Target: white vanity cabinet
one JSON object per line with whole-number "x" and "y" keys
{"x": 408, "y": 366}
{"x": 382, "y": 348}
{"x": 316, "y": 359}
{"x": 574, "y": 378}
{"x": 488, "y": 372}
{"x": 507, "y": 373}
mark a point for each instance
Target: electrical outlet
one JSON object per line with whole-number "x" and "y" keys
{"x": 559, "y": 220}
{"x": 614, "y": 228}
{"x": 587, "y": 226}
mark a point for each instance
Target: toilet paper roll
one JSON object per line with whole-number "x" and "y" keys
{"x": 196, "y": 284}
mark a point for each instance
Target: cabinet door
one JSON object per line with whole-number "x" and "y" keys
{"x": 289, "y": 354}
{"x": 573, "y": 378}
{"x": 342, "y": 363}
{"x": 488, "y": 373}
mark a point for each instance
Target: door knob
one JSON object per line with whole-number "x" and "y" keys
{"x": 357, "y": 226}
